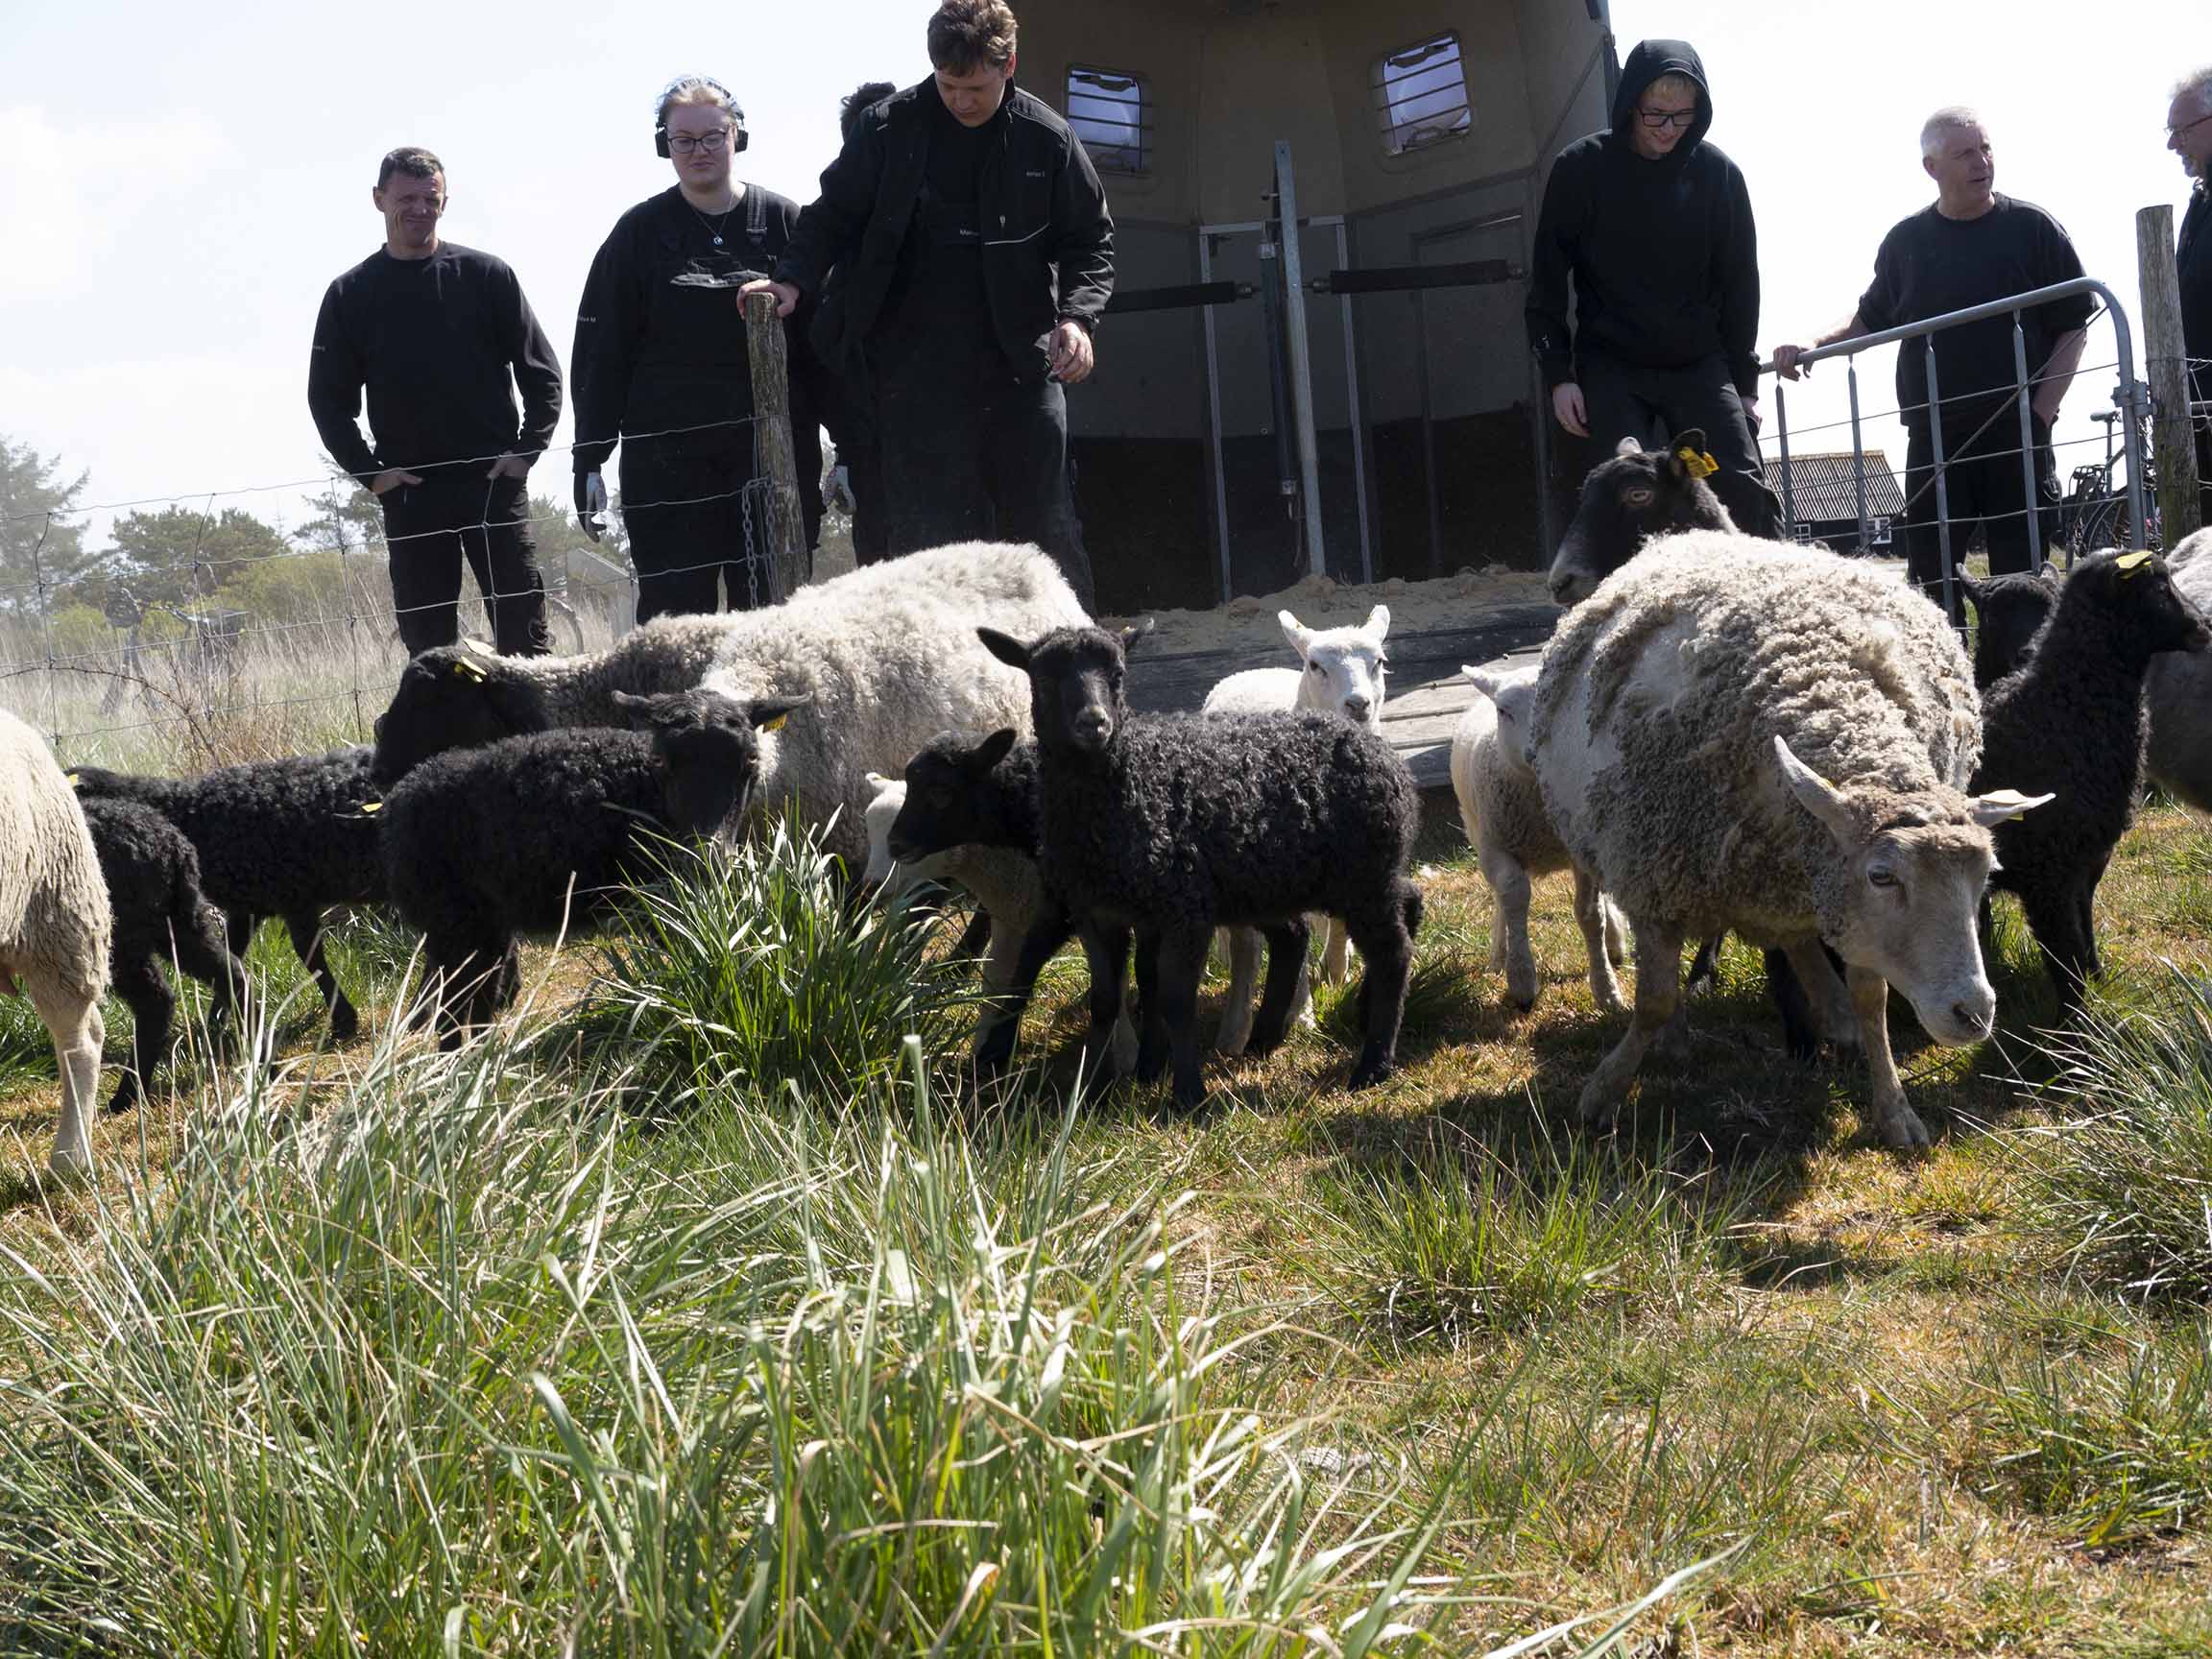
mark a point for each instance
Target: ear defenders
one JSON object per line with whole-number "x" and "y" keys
{"x": 737, "y": 134}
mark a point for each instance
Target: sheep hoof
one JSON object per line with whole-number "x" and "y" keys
{"x": 125, "y": 1098}
{"x": 71, "y": 1165}
{"x": 344, "y": 1021}
{"x": 1598, "y": 1109}
{"x": 1373, "y": 1069}
{"x": 1903, "y": 1130}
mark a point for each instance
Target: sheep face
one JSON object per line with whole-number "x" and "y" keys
{"x": 947, "y": 798}
{"x": 446, "y": 699}
{"x": 1903, "y": 896}
{"x": 2138, "y": 587}
{"x": 1628, "y": 499}
{"x": 1075, "y": 685}
{"x": 2007, "y": 611}
{"x": 1345, "y": 667}
{"x": 1514, "y": 693}
{"x": 706, "y": 748}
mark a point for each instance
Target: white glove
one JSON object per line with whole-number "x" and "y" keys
{"x": 590, "y": 503}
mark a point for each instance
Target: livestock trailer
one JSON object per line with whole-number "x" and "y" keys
{"x": 1353, "y": 394}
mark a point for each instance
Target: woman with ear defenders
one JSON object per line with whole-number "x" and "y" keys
{"x": 661, "y": 366}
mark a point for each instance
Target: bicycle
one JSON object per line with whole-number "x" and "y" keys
{"x": 2093, "y": 513}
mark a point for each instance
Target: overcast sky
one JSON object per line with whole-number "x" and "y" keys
{"x": 178, "y": 184}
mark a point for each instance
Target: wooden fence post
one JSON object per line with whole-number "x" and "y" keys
{"x": 772, "y": 445}
{"x": 2165, "y": 362}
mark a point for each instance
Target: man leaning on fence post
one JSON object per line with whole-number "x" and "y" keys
{"x": 434, "y": 331}
{"x": 977, "y": 257}
{"x": 1968, "y": 247}
{"x": 2189, "y": 135}
{"x": 1655, "y": 225}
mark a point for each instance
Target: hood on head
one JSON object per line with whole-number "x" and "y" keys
{"x": 1645, "y": 62}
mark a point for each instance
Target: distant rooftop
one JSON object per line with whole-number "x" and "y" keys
{"x": 1822, "y": 490}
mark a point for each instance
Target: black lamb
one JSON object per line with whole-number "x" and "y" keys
{"x": 2070, "y": 723}
{"x": 275, "y": 839}
{"x": 162, "y": 914}
{"x": 2007, "y": 611}
{"x": 529, "y": 834}
{"x": 1632, "y": 496}
{"x": 1171, "y": 826}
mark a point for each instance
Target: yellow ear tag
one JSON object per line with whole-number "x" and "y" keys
{"x": 468, "y": 670}
{"x": 2132, "y": 564}
{"x": 777, "y": 724}
{"x": 369, "y": 807}
{"x": 1696, "y": 463}
{"x": 76, "y": 780}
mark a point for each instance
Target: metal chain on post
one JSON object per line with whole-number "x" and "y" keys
{"x": 773, "y": 456}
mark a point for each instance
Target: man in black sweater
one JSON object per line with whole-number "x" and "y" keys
{"x": 2189, "y": 135}
{"x": 977, "y": 256}
{"x": 435, "y": 332}
{"x": 1968, "y": 247}
{"x": 1655, "y": 225}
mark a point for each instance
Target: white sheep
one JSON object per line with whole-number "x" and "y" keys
{"x": 887, "y": 654}
{"x": 55, "y": 926}
{"x": 1733, "y": 734}
{"x": 1005, "y": 881}
{"x": 1513, "y": 839}
{"x": 1341, "y": 671}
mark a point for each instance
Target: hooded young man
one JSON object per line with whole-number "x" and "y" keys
{"x": 1654, "y": 225}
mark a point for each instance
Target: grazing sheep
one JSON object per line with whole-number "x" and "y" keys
{"x": 523, "y": 835}
{"x": 55, "y": 926}
{"x": 1737, "y": 734}
{"x": 1005, "y": 881}
{"x": 887, "y": 654}
{"x": 1513, "y": 839}
{"x": 160, "y": 915}
{"x": 2007, "y": 609}
{"x": 1632, "y": 496}
{"x": 2179, "y": 757}
{"x": 1342, "y": 671}
{"x": 275, "y": 839}
{"x": 1172, "y": 825}
{"x": 2072, "y": 721}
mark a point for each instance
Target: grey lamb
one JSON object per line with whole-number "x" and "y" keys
{"x": 1171, "y": 826}
{"x": 522, "y": 836}
{"x": 162, "y": 914}
{"x": 275, "y": 839}
{"x": 2007, "y": 609}
{"x": 2072, "y": 721}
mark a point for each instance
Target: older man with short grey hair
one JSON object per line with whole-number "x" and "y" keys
{"x": 2189, "y": 135}
{"x": 1968, "y": 247}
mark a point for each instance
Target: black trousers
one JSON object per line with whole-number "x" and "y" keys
{"x": 1983, "y": 485}
{"x": 968, "y": 449}
{"x": 1651, "y": 405}
{"x": 850, "y": 421}
{"x": 696, "y": 532}
{"x": 456, "y": 515}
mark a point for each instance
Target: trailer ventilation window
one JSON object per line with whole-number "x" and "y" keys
{"x": 1421, "y": 94}
{"x": 1111, "y": 110}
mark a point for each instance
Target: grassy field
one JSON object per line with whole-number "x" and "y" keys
{"x": 696, "y": 1313}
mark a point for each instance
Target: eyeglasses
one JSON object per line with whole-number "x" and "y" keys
{"x": 2187, "y": 126}
{"x": 1675, "y": 118}
{"x": 682, "y": 143}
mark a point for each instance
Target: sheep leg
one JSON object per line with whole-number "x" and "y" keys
{"x": 1616, "y": 933}
{"x": 203, "y": 953}
{"x": 153, "y": 1005}
{"x": 1658, "y": 993}
{"x": 2054, "y": 918}
{"x": 1182, "y": 964}
{"x": 1593, "y": 912}
{"x": 1106, "y": 948}
{"x": 307, "y": 932}
{"x": 1705, "y": 969}
{"x": 1495, "y": 962}
{"x": 1386, "y": 944}
{"x": 974, "y": 938}
{"x": 996, "y": 1033}
{"x": 1509, "y": 887}
{"x": 1888, "y": 1116}
{"x": 1243, "y": 982}
{"x": 71, "y": 1016}
{"x": 1286, "y": 945}
{"x": 1152, "y": 1045}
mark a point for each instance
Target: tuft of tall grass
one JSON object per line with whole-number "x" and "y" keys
{"x": 2121, "y": 1191}
{"x": 752, "y": 968}
{"x": 1452, "y": 1236}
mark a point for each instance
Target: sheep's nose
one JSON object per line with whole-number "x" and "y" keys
{"x": 1357, "y": 707}
{"x": 1969, "y": 1018}
{"x": 1093, "y": 722}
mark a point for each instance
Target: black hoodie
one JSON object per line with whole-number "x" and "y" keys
{"x": 1663, "y": 253}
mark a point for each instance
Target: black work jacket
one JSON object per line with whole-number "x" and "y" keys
{"x": 1047, "y": 237}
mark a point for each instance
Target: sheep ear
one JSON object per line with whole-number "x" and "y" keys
{"x": 1970, "y": 588}
{"x": 1135, "y": 632}
{"x": 986, "y": 755}
{"x": 465, "y": 667}
{"x": 2000, "y": 805}
{"x": 1300, "y": 635}
{"x": 876, "y": 782}
{"x": 1005, "y": 647}
{"x": 1627, "y": 447}
{"x": 639, "y": 709}
{"x": 768, "y": 714}
{"x": 1481, "y": 679}
{"x": 2048, "y": 572}
{"x": 1816, "y": 794}
{"x": 1378, "y": 622}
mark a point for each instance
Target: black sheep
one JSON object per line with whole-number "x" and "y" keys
{"x": 1171, "y": 826}
{"x": 2070, "y": 723}
{"x": 162, "y": 914}
{"x": 275, "y": 839}
{"x": 1632, "y": 496}
{"x": 2007, "y": 611}
{"x": 529, "y": 834}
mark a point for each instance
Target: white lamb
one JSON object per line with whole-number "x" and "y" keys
{"x": 1005, "y": 881}
{"x": 1513, "y": 839}
{"x": 1342, "y": 671}
{"x": 55, "y": 926}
